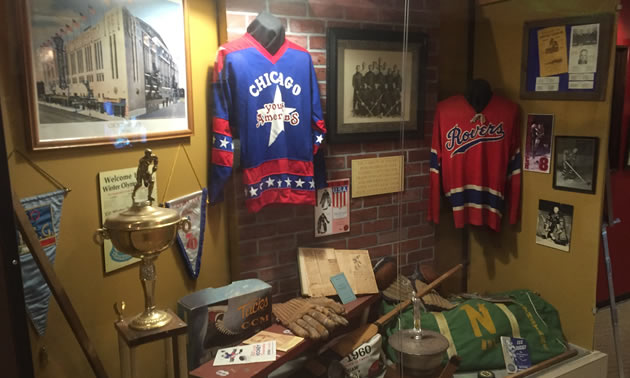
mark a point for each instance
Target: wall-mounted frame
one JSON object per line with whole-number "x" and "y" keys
{"x": 566, "y": 58}
{"x": 575, "y": 164}
{"x": 370, "y": 91}
{"x": 106, "y": 72}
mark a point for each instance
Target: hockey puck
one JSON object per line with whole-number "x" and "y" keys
{"x": 485, "y": 374}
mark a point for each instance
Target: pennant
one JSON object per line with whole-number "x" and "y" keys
{"x": 44, "y": 212}
{"x": 193, "y": 207}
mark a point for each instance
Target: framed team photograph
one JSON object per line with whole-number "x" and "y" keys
{"x": 575, "y": 166}
{"x": 106, "y": 72}
{"x": 371, "y": 91}
{"x": 538, "y": 143}
{"x": 554, "y": 225}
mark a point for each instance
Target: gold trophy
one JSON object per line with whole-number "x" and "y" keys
{"x": 144, "y": 231}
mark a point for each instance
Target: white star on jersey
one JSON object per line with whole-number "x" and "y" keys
{"x": 224, "y": 142}
{"x": 312, "y": 184}
{"x": 270, "y": 182}
{"x": 253, "y": 191}
{"x": 299, "y": 183}
{"x": 279, "y": 183}
{"x": 288, "y": 181}
{"x": 277, "y": 125}
{"x": 319, "y": 139}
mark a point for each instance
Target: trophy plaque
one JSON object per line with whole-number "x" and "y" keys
{"x": 144, "y": 231}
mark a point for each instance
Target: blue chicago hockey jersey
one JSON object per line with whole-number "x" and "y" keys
{"x": 271, "y": 102}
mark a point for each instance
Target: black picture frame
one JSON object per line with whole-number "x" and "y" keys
{"x": 349, "y": 119}
{"x": 575, "y": 163}
{"x": 605, "y": 22}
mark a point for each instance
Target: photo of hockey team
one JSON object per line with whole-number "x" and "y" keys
{"x": 538, "y": 143}
{"x": 112, "y": 61}
{"x": 575, "y": 164}
{"x": 373, "y": 86}
{"x": 554, "y": 225}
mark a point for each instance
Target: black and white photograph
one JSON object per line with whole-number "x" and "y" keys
{"x": 583, "y": 48}
{"x": 373, "y": 88}
{"x": 554, "y": 225}
{"x": 538, "y": 143}
{"x": 374, "y": 91}
{"x": 575, "y": 167}
{"x": 107, "y": 71}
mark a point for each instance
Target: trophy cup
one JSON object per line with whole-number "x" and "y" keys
{"x": 144, "y": 231}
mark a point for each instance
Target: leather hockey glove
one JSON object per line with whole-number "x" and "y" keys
{"x": 311, "y": 318}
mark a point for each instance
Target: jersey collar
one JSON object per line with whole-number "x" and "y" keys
{"x": 272, "y": 58}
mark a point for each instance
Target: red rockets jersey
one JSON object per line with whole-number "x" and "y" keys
{"x": 478, "y": 158}
{"x": 272, "y": 103}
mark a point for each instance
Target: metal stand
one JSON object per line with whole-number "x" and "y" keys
{"x": 611, "y": 289}
{"x": 174, "y": 336}
{"x": 613, "y": 303}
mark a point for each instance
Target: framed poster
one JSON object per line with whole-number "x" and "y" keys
{"x": 554, "y": 225}
{"x": 371, "y": 91}
{"x": 332, "y": 211}
{"x": 575, "y": 167}
{"x": 106, "y": 72}
{"x": 566, "y": 58}
{"x": 115, "y": 191}
{"x": 538, "y": 143}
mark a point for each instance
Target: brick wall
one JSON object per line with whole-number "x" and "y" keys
{"x": 384, "y": 224}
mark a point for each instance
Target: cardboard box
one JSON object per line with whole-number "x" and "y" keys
{"x": 224, "y": 316}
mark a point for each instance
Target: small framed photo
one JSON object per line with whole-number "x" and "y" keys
{"x": 554, "y": 225}
{"x": 575, "y": 167}
{"x": 371, "y": 91}
{"x": 538, "y": 143}
{"x": 106, "y": 72}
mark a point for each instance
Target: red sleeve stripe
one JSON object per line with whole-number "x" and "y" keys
{"x": 221, "y": 126}
{"x": 224, "y": 158}
{"x": 320, "y": 125}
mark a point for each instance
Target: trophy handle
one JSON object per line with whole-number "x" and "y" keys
{"x": 119, "y": 308}
{"x": 184, "y": 224}
{"x": 101, "y": 235}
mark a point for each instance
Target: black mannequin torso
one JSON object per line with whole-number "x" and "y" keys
{"x": 478, "y": 94}
{"x": 268, "y": 31}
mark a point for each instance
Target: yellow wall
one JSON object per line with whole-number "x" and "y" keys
{"x": 79, "y": 262}
{"x": 512, "y": 259}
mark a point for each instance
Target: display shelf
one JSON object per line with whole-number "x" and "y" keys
{"x": 355, "y": 309}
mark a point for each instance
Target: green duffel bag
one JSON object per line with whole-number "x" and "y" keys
{"x": 475, "y": 326}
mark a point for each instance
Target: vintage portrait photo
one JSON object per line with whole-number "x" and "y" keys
{"x": 583, "y": 50}
{"x": 373, "y": 86}
{"x": 575, "y": 164}
{"x": 554, "y": 225}
{"x": 107, "y": 69}
{"x": 538, "y": 143}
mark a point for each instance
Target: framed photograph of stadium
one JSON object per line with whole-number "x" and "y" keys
{"x": 374, "y": 89}
{"x": 575, "y": 164}
{"x": 106, "y": 72}
{"x": 554, "y": 225}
